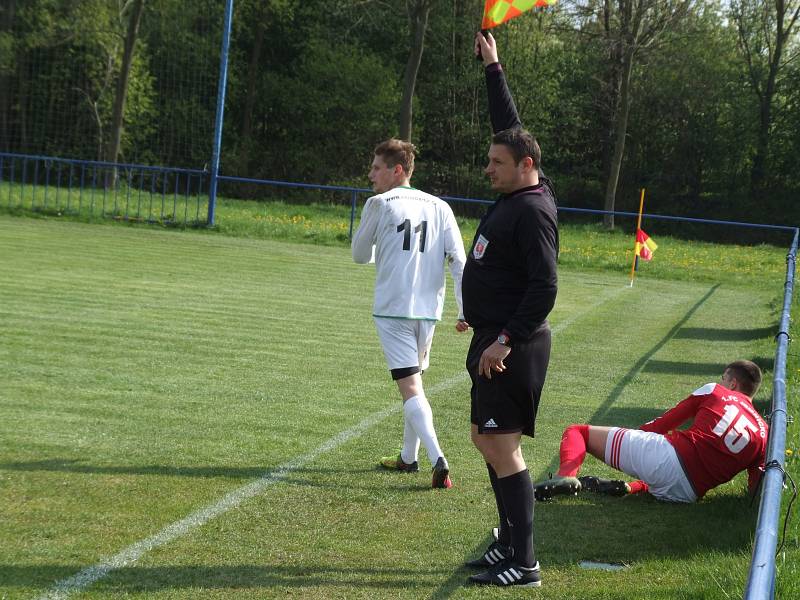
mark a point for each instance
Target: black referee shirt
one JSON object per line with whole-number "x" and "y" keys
{"x": 510, "y": 277}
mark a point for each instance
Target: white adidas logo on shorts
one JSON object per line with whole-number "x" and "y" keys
{"x": 490, "y": 423}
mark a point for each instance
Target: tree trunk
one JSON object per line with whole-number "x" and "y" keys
{"x": 122, "y": 83}
{"x": 252, "y": 80}
{"x": 418, "y": 12}
{"x": 620, "y": 132}
{"x": 759, "y": 171}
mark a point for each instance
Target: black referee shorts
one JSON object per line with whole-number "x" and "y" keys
{"x": 508, "y": 402}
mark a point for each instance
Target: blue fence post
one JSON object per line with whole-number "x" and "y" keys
{"x": 35, "y": 183}
{"x": 223, "y": 80}
{"x": 22, "y": 182}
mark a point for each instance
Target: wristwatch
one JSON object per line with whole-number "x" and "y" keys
{"x": 504, "y": 340}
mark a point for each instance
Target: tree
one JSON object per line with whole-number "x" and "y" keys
{"x": 135, "y": 7}
{"x": 418, "y": 13}
{"x": 765, "y": 28}
{"x": 259, "y": 21}
{"x": 625, "y": 29}
{"x": 689, "y": 144}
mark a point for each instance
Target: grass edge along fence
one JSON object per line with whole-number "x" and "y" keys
{"x": 142, "y": 193}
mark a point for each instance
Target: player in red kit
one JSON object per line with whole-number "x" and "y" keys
{"x": 727, "y": 435}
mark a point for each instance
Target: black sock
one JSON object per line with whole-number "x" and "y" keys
{"x": 517, "y": 493}
{"x": 504, "y": 536}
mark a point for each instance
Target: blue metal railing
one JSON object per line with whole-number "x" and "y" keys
{"x": 761, "y": 577}
{"x": 354, "y": 191}
{"x": 90, "y": 188}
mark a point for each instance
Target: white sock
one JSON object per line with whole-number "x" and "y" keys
{"x": 410, "y": 443}
{"x": 418, "y": 412}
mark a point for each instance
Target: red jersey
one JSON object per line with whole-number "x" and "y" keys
{"x": 727, "y": 436}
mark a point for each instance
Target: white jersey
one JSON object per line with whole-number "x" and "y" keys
{"x": 410, "y": 235}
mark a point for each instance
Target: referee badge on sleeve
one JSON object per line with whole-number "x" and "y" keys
{"x": 480, "y": 247}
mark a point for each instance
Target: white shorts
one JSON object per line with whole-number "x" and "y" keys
{"x": 650, "y": 457}
{"x": 406, "y": 342}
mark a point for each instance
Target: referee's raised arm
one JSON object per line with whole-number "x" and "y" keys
{"x": 502, "y": 110}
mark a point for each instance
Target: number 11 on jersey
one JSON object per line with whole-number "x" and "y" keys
{"x": 405, "y": 229}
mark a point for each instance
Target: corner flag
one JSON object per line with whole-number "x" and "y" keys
{"x": 644, "y": 246}
{"x": 496, "y": 12}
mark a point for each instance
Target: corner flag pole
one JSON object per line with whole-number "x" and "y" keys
{"x": 638, "y": 227}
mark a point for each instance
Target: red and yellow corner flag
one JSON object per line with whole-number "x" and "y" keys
{"x": 644, "y": 246}
{"x": 500, "y": 11}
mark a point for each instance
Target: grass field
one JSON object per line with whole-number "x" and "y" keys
{"x": 189, "y": 415}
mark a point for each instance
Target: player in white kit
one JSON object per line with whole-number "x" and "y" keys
{"x": 410, "y": 235}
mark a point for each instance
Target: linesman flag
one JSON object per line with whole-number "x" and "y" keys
{"x": 644, "y": 246}
{"x": 500, "y": 11}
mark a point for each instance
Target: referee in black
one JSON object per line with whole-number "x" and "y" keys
{"x": 509, "y": 288}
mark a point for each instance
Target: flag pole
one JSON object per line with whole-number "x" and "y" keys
{"x": 638, "y": 227}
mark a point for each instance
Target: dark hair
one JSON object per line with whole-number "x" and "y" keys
{"x": 521, "y": 143}
{"x": 747, "y": 374}
{"x": 397, "y": 152}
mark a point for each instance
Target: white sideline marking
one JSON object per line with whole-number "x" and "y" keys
{"x": 80, "y": 581}
{"x": 76, "y": 583}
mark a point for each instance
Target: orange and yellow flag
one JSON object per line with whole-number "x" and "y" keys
{"x": 500, "y": 11}
{"x": 644, "y": 246}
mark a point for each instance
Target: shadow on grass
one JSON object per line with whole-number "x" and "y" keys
{"x": 711, "y": 371}
{"x": 60, "y": 465}
{"x": 720, "y": 523}
{"x": 628, "y": 530}
{"x": 628, "y": 416}
{"x": 153, "y": 579}
{"x": 712, "y": 334}
{"x": 306, "y": 477}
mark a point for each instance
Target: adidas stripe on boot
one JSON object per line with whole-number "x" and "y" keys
{"x": 495, "y": 553}
{"x": 509, "y": 573}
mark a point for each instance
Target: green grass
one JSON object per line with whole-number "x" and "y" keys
{"x": 148, "y": 373}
